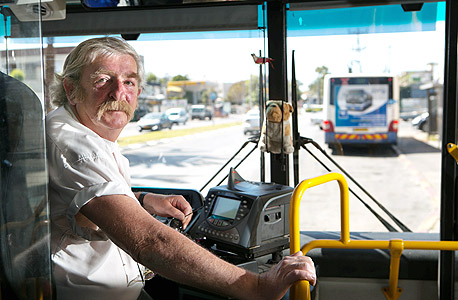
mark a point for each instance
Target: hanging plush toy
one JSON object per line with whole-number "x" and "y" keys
{"x": 275, "y": 133}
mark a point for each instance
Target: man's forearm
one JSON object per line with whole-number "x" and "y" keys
{"x": 166, "y": 251}
{"x": 176, "y": 257}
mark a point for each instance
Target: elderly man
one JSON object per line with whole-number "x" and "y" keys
{"x": 101, "y": 235}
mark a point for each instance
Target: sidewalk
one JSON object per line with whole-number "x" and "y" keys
{"x": 407, "y": 131}
{"x": 434, "y": 140}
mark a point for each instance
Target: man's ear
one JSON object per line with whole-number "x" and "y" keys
{"x": 69, "y": 87}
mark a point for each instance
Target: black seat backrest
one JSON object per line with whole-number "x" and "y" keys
{"x": 25, "y": 266}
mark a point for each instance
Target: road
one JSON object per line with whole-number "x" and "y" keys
{"x": 189, "y": 161}
{"x": 405, "y": 179}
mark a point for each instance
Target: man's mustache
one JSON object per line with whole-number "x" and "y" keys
{"x": 115, "y": 105}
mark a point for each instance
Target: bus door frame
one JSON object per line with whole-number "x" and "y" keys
{"x": 449, "y": 213}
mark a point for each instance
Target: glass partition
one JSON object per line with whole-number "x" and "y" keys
{"x": 25, "y": 270}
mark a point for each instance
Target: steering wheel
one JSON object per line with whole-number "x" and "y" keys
{"x": 177, "y": 224}
{"x": 194, "y": 198}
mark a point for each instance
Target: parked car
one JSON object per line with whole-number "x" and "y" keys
{"x": 421, "y": 121}
{"x": 139, "y": 112}
{"x": 312, "y": 107}
{"x": 251, "y": 122}
{"x": 317, "y": 118}
{"x": 409, "y": 115}
{"x": 199, "y": 111}
{"x": 154, "y": 121}
{"x": 177, "y": 115}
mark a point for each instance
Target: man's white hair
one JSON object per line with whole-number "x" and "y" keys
{"x": 84, "y": 54}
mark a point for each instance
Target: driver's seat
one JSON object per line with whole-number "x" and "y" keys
{"x": 25, "y": 261}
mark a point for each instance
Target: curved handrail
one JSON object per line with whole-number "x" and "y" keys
{"x": 301, "y": 289}
{"x": 294, "y": 243}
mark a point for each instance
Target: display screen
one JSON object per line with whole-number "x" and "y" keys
{"x": 226, "y": 207}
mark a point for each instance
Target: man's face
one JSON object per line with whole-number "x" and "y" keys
{"x": 110, "y": 89}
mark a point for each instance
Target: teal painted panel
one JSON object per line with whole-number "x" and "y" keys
{"x": 363, "y": 20}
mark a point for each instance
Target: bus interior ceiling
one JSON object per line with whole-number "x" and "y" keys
{"x": 342, "y": 272}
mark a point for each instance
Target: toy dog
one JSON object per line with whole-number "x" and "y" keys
{"x": 276, "y": 134}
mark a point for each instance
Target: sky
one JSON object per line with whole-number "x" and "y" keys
{"x": 229, "y": 60}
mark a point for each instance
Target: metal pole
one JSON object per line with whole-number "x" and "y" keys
{"x": 296, "y": 136}
{"x": 449, "y": 166}
{"x": 262, "y": 103}
{"x": 276, "y": 32}
{"x": 5, "y": 11}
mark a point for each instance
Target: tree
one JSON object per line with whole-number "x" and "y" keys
{"x": 151, "y": 78}
{"x": 316, "y": 87}
{"x": 179, "y": 78}
{"x": 237, "y": 92}
{"x": 253, "y": 91}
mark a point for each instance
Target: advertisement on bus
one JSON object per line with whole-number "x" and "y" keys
{"x": 360, "y": 109}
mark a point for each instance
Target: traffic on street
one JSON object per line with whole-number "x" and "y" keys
{"x": 404, "y": 178}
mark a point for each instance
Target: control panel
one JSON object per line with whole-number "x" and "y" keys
{"x": 250, "y": 219}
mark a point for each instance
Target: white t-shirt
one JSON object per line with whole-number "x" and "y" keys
{"x": 82, "y": 165}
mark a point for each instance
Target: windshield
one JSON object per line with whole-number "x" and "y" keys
{"x": 403, "y": 176}
{"x": 216, "y": 70}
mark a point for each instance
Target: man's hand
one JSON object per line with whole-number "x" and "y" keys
{"x": 174, "y": 206}
{"x": 275, "y": 283}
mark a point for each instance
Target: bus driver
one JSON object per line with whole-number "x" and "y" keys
{"x": 101, "y": 237}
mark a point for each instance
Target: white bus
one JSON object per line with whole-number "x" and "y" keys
{"x": 360, "y": 109}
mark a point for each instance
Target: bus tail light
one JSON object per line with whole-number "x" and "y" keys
{"x": 393, "y": 126}
{"x": 327, "y": 126}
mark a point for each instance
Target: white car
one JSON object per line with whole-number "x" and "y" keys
{"x": 251, "y": 123}
{"x": 317, "y": 117}
{"x": 177, "y": 115}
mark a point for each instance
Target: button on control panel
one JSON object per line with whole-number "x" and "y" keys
{"x": 230, "y": 235}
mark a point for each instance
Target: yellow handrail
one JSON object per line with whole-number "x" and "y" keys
{"x": 303, "y": 287}
{"x": 301, "y": 290}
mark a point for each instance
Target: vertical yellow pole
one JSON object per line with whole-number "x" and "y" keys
{"x": 344, "y": 210}
{"x": 396, "y": 248}
{"x": 300, "y": 287}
